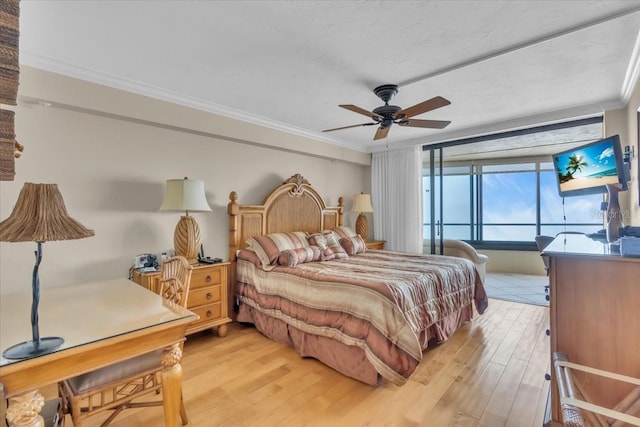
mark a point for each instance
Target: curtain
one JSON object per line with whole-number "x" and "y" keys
{"x": 396, "y": 193}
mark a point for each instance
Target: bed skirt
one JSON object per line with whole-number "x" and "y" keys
{"x": 346, "y": 359}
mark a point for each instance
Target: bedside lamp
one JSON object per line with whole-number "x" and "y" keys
{"x": 362, "y": 203}
{"x": 186, "y": 195}
{"x": 39, "y": 216}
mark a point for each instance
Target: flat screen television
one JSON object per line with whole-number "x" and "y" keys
{"x": 589, "y": 168}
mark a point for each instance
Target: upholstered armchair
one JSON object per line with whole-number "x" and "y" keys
{"x": 461, "y": 249}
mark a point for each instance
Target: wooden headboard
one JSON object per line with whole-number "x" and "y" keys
{"x": 293, "y": 206}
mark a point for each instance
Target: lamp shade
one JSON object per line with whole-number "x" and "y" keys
{"x": 41, "y": 216}
{"x": 185, "y": 195}
{"x": 362, "y": 203}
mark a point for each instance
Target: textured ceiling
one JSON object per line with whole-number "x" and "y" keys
{"x": 286, "y": 64}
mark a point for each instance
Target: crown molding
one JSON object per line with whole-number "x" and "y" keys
{"x": 133, "y": 86}
{"x": 633, "y": 72}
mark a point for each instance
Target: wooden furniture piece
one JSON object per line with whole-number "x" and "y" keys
{"x": 375, "y": 244}
{"x": 102, "y": 323}
{"x": 577, "y": 411}
{"x": 207, "y": 295}
{"x": 594, "y": 315}
{"x": 115, "y": 387}
{"x": 298, "y": 308}
{"x": 293, "y": 206}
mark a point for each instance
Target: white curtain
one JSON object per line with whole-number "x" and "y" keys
{"x": 396, "y": 196}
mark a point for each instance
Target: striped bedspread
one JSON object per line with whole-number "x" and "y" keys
{"x": 380, "y": 301}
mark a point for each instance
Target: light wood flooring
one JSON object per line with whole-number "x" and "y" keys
{"x": 490, "y": 373}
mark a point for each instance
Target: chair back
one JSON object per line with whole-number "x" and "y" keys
{"x": 175, "y": 279}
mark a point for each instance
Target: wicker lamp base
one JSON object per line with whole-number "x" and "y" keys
{"x": 186, "y": 239}
{"x": 362, "y": 227}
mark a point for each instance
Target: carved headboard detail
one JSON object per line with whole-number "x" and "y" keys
{"x": 293, "y": 206}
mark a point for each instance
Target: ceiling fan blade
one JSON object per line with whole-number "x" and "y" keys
{"x": 359, "y": 110}
{"x": 433, "y": 124}
{"x": 423, "y": 107}
{"x": 381, "y": 133}
{"x": 352, "y": 126}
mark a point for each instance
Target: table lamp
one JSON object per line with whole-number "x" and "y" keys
{"x": 186, "y": 195}
{"x": 362, "y": 203}
{"x": 39, "y": 216}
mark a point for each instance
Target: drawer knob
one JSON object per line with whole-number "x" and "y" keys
{"x": 209, "y": 313}
{"x": 209, "y": 296}
{"x": 548, "y": 332}
{"x": 208, "y": 278}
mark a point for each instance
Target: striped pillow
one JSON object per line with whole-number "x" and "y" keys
{"x": 329, "y": 244}
{"x": 344, "y": 231}
{"x": 353, "y": 245}
{"x": 268, "y": 247}
{"x": 293, "y": 257}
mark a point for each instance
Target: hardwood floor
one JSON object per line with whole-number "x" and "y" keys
{"x": 490, "y": 373}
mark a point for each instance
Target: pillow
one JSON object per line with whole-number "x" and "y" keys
{"x": 344, "y": 231}
{"x": 353, "y": 245}
{"x": 269, "y": 246}
{"x": 329, "y": 244}
{"x": 293, "y": 257}
{"x": 249, "y": 255}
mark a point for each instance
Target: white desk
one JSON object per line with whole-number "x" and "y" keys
{"x": 102, "y": 323}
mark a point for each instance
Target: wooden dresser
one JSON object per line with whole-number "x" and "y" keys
{"x": 594, "y": 315}
{"x": 375, "y": 244}
{"x": 207, "y": 295}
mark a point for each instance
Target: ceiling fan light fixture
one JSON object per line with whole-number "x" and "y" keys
{"x": 386, "y": 115}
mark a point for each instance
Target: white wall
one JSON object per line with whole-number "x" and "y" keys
{"x": 517, "y": 262}
{"x": 110, "y": 153}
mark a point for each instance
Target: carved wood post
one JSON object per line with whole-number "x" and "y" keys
{"x": 24, "y": 410}
{"x": 171, "y": 384}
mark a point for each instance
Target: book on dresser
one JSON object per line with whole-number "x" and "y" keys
{"x": 207, "y": 295}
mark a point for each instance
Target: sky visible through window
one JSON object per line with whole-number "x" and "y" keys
{"x": 509, "y": 207}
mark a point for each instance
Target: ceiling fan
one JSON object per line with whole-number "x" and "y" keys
{"x": 386, "y": 115}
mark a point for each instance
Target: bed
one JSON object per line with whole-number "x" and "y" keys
{"x": 307, "y": 281}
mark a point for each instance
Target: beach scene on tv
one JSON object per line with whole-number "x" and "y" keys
{"x": 587, "y": 167}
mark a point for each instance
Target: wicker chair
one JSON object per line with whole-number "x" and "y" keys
{"x": 115, "y": 387}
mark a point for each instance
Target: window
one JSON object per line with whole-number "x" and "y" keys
{"x": 517, "y": 201}
{"x": 505, "y": 202}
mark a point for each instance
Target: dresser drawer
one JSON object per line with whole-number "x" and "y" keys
{"x": 202, "y": 277}
{"x": 207, "y": 313}
{"x": 207, "y": 295}
{"x": 203, "y": 296}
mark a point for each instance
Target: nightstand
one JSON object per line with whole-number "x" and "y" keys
{"x": 375, "y": 244}
{"x": 207, "y": 295}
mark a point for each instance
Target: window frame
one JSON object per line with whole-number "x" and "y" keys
{"x": 475, "y": 168}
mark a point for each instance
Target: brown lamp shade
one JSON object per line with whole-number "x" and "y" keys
{"x": 40, "y": 215}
